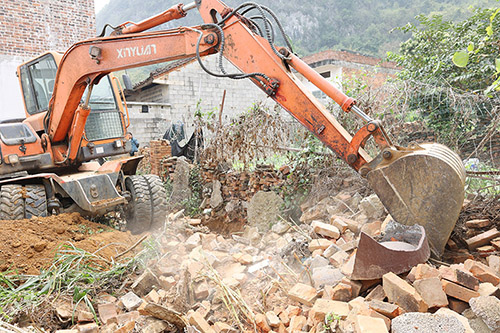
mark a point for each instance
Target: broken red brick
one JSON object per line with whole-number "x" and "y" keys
{"x": 482, "y": 272}
{"x": 386, "y": 309}
{"x": 482, "y": 239}
{"x": 459, "y": 276}
{"x": 457, "y": 291}
{"x": 303, "y": 293}
{"x": 478, "y": 223}
{"x": 400, "y": 292}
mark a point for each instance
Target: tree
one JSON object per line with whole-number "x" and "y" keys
{"x": 462, "y": 54}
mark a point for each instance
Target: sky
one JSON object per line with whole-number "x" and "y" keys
{"x": 99, "y": 4}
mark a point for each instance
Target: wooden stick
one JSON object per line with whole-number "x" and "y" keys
{"x": 131, "y": 248}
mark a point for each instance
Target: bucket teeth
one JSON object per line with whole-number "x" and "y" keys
{"x": 424, "y": 187}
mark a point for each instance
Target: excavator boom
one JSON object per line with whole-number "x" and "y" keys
{"x": 418, "y": 184}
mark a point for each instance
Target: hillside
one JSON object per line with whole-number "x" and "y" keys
{"x": 359, "y": 25}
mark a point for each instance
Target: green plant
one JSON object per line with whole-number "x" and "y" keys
{"x": 331, "y": 321}
{"x": 192, "y": 205}
{"x": 73, "y": 273}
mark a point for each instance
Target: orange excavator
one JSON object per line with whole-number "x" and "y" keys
{"x": 74, "y": 115}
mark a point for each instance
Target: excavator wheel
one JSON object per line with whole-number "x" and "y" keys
{"x": 423, "y": 185}
{"x": 158, "y": 199}
{"x": 138, "y": 211}
{"x": 147, "y": 208}
{"x": 11, "y": 202}
{"x": 35, "y": 201}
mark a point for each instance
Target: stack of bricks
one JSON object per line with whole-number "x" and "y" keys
{"x": 242, "y": 185}
{"x": 168, "y": 164}
{"x": 157, "y": 151}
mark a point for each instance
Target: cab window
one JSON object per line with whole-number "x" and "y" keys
{"x": 37, "y": 80}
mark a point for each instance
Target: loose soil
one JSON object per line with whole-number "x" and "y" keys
{"x": 30, "y": 245}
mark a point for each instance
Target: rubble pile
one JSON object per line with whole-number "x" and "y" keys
{"x": 295, "y": 277}
{"x": 243, "y": 185}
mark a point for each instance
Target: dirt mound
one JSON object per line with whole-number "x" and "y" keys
{"x": 29, "y": 245}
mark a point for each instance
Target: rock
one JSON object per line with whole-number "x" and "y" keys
{"x": 180, "y": 188}
{"x": 87, "y": 328}
{"x": 85, "y": 316}
{"x": 372, "y": 207}
{"x": 339, "y": 223}
{"x": 482, "y": 272}
{"x": 221, "y": 327}
{"x": 415, "y": 322}
{"x": 322, "y": 307}
{"x": 376, "y": 293}
{"x": 201, "y": 291}
{"x": 366, "y": 324}
{"x": 457, "y": 305}
{"x": 488, "y": 309}
{"x": 457, "y": 291}
{"x": 297, "y": 323}
{"x": 487, "y": 289}
{"x": 339, "y": 258}
{"x": 131, "y": 301}
{"x": 372, "y": 229}
{"x": 126, "y": 328}
{"x": 154, "y": 326}
{"x": 494, "y": 263}
{"x": 264, "y": 209}
{"x": 145, "y": 282}
{"x": 303, "y": 293}
{"x": 462, "y": 319}
{"x": 163, "y": 313}
{"x": 423, "y": 271}
{"x": 320, "y": 243}
{"x": 106, "y": 312}
{"x": 482, "y": 239}
{"x": 432, "y": 292}
{"x": 261, "y": 322}
{"x": 167, "y": 282}
{"x": 64, "y": 311}
{"x": 200, "y": 323}
{"x": 272, "y": 319}
{"x": 387, "y": 309}
{"x": 325, "y": 229}
{"x": 341, "y": 292}
{"x": 280, "y": 227}
{"x": 327, "y": 275}
{"x": 127, "y": 317}
{"x": 318, "y": 261}
{"x": 152, "y": 297}
{"x": 476, "y": 323}
{"x": 193, "y": 241}
{"x": 460, "y": 277}
{"x": 216, "y": 199}
{"x": 479, "y": 223}
{"x": 400, "y": 292}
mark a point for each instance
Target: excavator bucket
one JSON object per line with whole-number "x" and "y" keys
{"x": 422, "y": 184}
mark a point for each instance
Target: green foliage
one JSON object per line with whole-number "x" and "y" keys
{"x": 460, "y": 54}
{"x": 192, "y": 205}
{"x": 74, "y": 272}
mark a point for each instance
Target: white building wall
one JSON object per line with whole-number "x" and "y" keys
{"x": 11, "y": 102}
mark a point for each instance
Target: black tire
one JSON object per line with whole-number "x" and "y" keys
{"x": 11, "y": 202}
{"x": 158, "y": 200}
{"x": 138, "y": 212}
{"x": 35, "y": 201}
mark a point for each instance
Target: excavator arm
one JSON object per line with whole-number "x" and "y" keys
{"x": 421, "y": 184}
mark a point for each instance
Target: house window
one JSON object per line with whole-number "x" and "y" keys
{"x": 325, "y": 74}
{"x": 145, "y": 109}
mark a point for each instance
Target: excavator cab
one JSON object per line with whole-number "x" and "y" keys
{"x": 108, "y": 118}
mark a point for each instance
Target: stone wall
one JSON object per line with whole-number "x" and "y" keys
{"x": 31, "y": 27}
